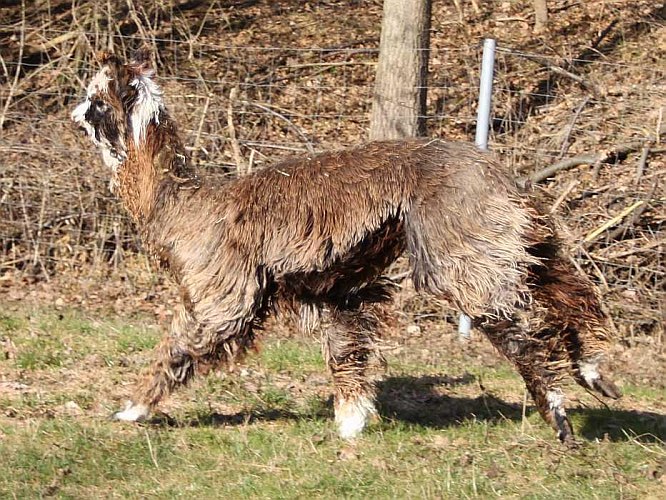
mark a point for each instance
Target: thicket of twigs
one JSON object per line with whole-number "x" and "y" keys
{"x": 578, "y": 111}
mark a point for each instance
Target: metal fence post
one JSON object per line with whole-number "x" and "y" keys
{"x": 482, "y": 126}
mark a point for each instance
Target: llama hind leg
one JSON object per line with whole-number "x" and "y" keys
{"x": 549, "y": 401}
{"x": 574, "y": 306}
{"x": 586, "y": 361}
{"x": 347, "y": 343}
{"x": 535, "y": 360}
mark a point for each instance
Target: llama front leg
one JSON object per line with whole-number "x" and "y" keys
{"x": 173, "y": 365}
{"x": 191, "y": 346}
{"x": 347, "y": 343}
{"x": 212, "y": 331}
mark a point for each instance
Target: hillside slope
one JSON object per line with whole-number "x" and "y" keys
{"x": 590, "y": 91}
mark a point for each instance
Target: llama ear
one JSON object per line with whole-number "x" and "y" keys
{"x": 141, "y": 63}
{"x": 117, "y": 71}
{"x": 107, "y": 58}
{"x": 146, "y": 102}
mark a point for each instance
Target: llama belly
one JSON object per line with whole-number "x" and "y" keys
{"x": 360, "y": 267}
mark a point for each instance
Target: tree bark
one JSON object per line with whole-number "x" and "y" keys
{"x": 398, "y": 105}
{"x": 540, "y": 16}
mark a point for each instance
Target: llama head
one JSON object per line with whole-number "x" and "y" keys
{"x": 122, "y": 101}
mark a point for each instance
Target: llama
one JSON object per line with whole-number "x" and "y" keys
{"x": 314, "y": 236}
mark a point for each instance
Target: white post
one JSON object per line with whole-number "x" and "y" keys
{"x": 485, "y": 93}
{"x": 482, "y": 126}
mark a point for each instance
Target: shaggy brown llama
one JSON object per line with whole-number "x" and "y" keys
{"x": 315, "y": 234}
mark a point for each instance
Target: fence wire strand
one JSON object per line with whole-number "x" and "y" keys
{"x": 56, "y": 213}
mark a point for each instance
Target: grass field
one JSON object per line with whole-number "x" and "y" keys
{"x": 453, "y": 424}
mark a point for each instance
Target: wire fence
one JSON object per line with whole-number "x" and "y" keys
{"x": 603, "y": 113}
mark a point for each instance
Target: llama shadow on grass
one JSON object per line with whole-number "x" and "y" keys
{"x": 621, "y": 425}
{"x": 216, "y": 419}
{"x": 422, "y": 401}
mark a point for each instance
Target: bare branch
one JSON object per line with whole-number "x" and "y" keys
{"x": 568, "y": 163}
{"x": 559, "y": 70}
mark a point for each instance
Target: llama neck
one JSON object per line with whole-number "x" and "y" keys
{"x": 158, "y": 161}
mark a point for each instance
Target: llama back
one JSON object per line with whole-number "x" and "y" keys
{"x": 298, "y": 216}
{"x": 465, "y": 224}
{"x": 302, "y": 215}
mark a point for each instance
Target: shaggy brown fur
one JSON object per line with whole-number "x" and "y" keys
{"x": 315, "y": 234}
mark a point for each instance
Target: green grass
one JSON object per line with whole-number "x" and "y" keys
{"x": 53, "y": 339}
{"x": 267, "y": 432}
{"x": 281, "y": 460}
{"x": 292, "y": 357}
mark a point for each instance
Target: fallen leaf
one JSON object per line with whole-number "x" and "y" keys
{"x": 349, "y": 452}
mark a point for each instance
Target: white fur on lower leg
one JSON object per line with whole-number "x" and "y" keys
{"x": 589, "y": 371}
{"x": 132, "y": 413}
{"x": 352, "y": 415}
{"x": 555, "y": 401}
{"x": 556, "y": 404}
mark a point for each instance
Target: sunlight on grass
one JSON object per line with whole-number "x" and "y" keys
{"x": 52, "y": 339}
{"x": 266, "y": 431}
{"x": 292, "y": 355}
{"x": 644, "y": 392}
{"x": 301, "y": 458}
{"x": 134, "y": 339}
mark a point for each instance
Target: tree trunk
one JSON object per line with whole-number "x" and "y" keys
{"x": 398, "y": 104}
{"x": 540, "y": 16}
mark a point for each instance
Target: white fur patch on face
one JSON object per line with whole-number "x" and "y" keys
{"x": 132, "y": 413}
{"x": 99, "y": 84}
{"x": 147, "y": 107}
{"x": 79, "y": 117}
{"x": 110, "y": 159}
{"x": 352, "y": 416}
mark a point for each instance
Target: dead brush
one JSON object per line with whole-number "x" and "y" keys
{"x": 313, "y": 236}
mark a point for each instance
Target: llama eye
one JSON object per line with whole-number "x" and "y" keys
{"x": 97, "y": 111}
{"x": 101, "y": 107}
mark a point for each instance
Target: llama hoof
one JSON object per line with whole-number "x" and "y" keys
{"x": 559, "y": 419}
{"x": 607, "y": 387}
{"x": 352, "y": 416}
{"x": 565, "y": 432}
{"x": 570, "y": 442}
{"x": 590, "y": 377}
{"x": 132, "y": 413}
